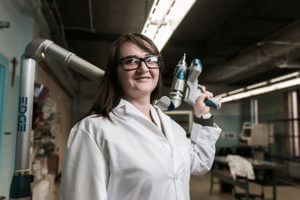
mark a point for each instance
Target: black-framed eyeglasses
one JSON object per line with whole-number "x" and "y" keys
{"x": 133, "y": 63}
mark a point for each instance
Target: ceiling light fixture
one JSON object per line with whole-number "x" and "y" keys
{"x": 288, "y": 65}
{"x": 256, "y": 85}
{"x": 274, "y": 84}
{"x": 236, "y": 91}
{"x": 281, "y": 78}
{"x": 163, "y": 19}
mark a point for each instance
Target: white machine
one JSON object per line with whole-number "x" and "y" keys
{"x": 256, "y": 134}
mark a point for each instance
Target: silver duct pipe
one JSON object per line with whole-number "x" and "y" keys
{"x": 41, "y": 48}
{"x": 25, "y": 115}
{"x": 20, "y": 185}
{"x": 251, "y": 60}
{"x": 35, "y": 51}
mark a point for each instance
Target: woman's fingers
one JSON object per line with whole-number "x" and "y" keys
{"x": 200, "y": 108}
{"x": 210, "y": 95}
{"x": 202, "y": 97}
{"x": 202, "y": 87}
{"x": 203, "y": 90}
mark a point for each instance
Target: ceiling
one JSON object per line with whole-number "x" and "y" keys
{"x": 240, "y": 42}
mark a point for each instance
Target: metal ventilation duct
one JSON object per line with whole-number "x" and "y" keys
{"x": 259, "y": 58}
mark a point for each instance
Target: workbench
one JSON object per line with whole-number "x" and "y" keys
{"x": 265, "y": 175}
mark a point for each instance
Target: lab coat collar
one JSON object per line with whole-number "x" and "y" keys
{"x": 125, "y": 108}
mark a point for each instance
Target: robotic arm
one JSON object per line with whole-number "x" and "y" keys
{"x": 186, "y": 89}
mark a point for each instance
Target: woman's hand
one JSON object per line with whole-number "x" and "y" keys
{"x": 200, "y": 108}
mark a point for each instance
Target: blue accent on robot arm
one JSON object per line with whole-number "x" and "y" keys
{"x": 181, "y": 74}
{"x": 197, "y": 62}
{"x": 210, "y": 103}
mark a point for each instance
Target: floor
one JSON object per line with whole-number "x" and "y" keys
{"x": 200, "y": 186}
{"x": 200, "y": 190}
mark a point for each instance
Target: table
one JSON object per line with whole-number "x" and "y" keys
{"x": 265, "y": 174}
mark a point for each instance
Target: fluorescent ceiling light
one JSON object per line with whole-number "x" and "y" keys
{"x": 151, "y": 30}
{"x": 222, "y": 95}
{"x": 256, "y": 85}
{"x": 286, "y": 65}
{"x": 235, "y": 97}
{"x": 287, "y": 84}
{"x": 163, "y": 19}
{"x": 295, "y": 74}
{"x": 262, "y": 90}
{"x": 236, "y": 91}
{"x": 162, "y": 36}
{"x": 159, "y": 10}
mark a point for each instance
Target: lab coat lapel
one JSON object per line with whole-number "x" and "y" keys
{"x": 166, "y": 127}
{"x": 170, "y": 132}
{"x": 125, "y": 108}
{"x": 130, "y": 109}
{"x": 120, "y": 110}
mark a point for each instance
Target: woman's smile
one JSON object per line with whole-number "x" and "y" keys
{"x": 143, "y": 78}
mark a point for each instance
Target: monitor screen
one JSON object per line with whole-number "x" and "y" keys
{"x": 247, "y": 132}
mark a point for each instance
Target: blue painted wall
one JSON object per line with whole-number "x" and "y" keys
{"x": 13, "y": 41}
{"x": 271, "y": 106}
{"x": 3, "y": 67}
{"x": 8, "y": 142}
{"x": 229, "y": 118}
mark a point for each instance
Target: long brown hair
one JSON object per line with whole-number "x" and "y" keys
{"x": 110, "y": 91}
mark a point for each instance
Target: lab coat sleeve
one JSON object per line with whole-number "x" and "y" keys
{"x": 202, "y": 149}
{"x": 85, "y": 171}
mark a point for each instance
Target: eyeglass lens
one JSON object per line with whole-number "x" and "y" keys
{"x": 134, "y": 63}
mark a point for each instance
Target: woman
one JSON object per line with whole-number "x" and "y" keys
{"x": 127, "y": 149}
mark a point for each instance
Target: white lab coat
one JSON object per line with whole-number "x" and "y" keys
{"x": 132, "y": 158}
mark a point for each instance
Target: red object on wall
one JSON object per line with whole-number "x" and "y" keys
{"x": 14, "y": 63}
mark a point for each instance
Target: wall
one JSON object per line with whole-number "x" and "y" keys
{"x": 271, "y": 106}
{"x": 10, "y": 44}
{"x": 13, "y": 40}
{"x": 83, "y": 101}
{"x": 229, "y": 119}
{"x": 272, "y": 109}
{"x": 3, "y": 68}
{"x": 63, "y": 106}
